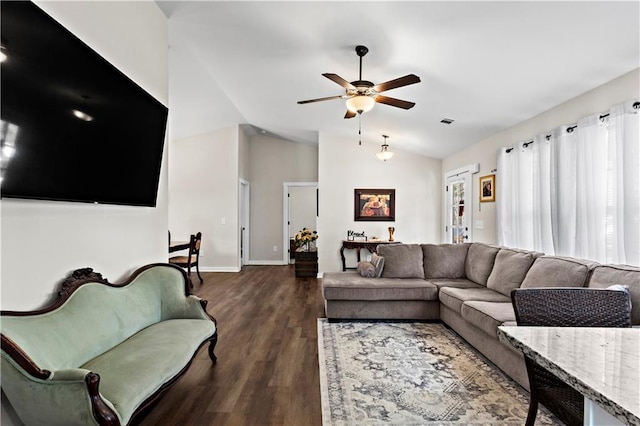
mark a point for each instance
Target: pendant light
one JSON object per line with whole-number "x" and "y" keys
{"x": 384, "y": 154}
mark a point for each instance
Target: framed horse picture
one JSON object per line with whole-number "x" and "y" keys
{"x": 374, "y": 205}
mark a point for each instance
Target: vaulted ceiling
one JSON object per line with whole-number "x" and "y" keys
{"x": 487, "y": 65}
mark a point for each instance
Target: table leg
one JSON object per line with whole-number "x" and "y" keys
{"x": 344, "y": 265}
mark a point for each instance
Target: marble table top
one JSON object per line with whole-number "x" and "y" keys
{"x": 601, "y": 363}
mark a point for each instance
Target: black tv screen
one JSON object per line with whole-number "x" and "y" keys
{"x": 73, "y": 127}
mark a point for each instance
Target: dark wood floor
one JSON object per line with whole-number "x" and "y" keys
{"x": 267, "y": 369}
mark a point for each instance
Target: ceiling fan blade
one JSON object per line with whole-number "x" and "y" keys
{"x": 341, "y": 81}
{"x": 398, "y": 82}
{"x": 328, "y": 98}
{"x": 349, "y": 114}
{"x": 395, "y": 102}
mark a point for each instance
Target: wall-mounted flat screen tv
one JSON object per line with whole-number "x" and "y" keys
{"x": 73, "y": 127}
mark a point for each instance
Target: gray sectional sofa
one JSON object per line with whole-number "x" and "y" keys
{"x": 468, "y": 287}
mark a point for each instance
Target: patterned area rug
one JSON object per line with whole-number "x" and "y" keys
{"x": 412, "y": 374}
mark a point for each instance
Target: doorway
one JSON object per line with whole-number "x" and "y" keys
{"x": 245, "y": 192}
{"x": 458, "y": 205}
{"x": 300, "y": 211}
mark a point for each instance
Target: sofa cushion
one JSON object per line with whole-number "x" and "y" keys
{"x": 509, "y": 269}
{"x": 401, "y": 260}
{"x": 487, "y": 316}
{"x": 453, "y": 298}
{"x": 351, "y": 286}
{"x": 555, "y": 271}
{"x": 444, "y": 260}
{"x": 479, "y": 262}
{"x": 454, "y": 282}
{"x": 604, "y": 276}
{"x": 136, "y": 368}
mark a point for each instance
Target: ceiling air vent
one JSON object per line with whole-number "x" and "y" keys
{"x": 447, "y": 121}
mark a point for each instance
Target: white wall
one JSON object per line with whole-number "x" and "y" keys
{"x": 43, "y": 241}
{"x": 600, "y": 99}
{"x": 203, "y": 192}
{"x": 274, "y": 161}
{"x": 345, "y": 166}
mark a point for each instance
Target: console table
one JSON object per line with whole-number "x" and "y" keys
{"x": 370, "y": 245}
{"x": 603, "y": 364}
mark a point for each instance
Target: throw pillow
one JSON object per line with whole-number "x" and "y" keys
{"x": 366, "y": 269}
{"x": 378, "y": 263}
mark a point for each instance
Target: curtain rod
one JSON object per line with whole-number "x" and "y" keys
{"x": 636, "y": 105}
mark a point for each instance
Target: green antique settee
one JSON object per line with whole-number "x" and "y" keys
{"x": 103, "y": 353}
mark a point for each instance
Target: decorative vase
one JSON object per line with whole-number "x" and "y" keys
{"x": 391, "y": 231}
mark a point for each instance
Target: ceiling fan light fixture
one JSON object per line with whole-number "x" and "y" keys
{"x": 384, "y": 153}
{"x": 359, "y": 104}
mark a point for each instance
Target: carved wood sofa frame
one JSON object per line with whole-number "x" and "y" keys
{"x": 102, "y": 412}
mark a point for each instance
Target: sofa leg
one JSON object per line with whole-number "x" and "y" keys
{"x": 212, "y": 345}
{"x": 533, "y": 410}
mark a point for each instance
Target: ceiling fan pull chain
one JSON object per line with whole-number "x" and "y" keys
{"x": 359, "y": 129}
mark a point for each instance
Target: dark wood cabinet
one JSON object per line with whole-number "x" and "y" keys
{"x": 306, "y": 264}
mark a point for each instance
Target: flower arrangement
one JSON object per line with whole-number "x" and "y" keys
{"x": 304, "y": 237}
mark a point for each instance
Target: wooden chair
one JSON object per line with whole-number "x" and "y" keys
{"x": 565, "y": 307}
{"x": 192, "y": 258}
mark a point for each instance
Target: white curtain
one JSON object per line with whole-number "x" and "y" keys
{"x": 524, "y": 195}
{"x": 575, "y": 192}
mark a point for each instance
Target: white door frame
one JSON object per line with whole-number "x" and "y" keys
{"x": 244, "y": 219}
{"x": 285, "y": 214}
{"x": 463, "y": 173}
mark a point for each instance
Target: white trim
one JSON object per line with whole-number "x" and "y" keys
{"x": 217, "y": 269}
{"x": 471, "y": 168}
{"x": 267, "y": 262}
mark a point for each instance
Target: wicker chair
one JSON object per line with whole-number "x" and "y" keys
{"x": 565, "y": 307}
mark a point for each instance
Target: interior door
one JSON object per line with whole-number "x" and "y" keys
{"x": 458, "y": 208}
{"x": 245, "y": 197}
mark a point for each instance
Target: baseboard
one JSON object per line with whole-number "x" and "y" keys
{"x": 266, "y": 262}
{"x": 218, "y": 269}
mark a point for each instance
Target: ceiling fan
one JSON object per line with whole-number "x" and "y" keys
{"x": 361, "y": 94}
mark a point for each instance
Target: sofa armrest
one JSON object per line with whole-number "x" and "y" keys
{"x": 185, "y": 307}
{"x": 67, "y": 397}
{"x": 195, "y": 308}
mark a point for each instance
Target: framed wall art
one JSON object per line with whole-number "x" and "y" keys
{"x": 488, "y": 188}
{"x": 374, "y": 205}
